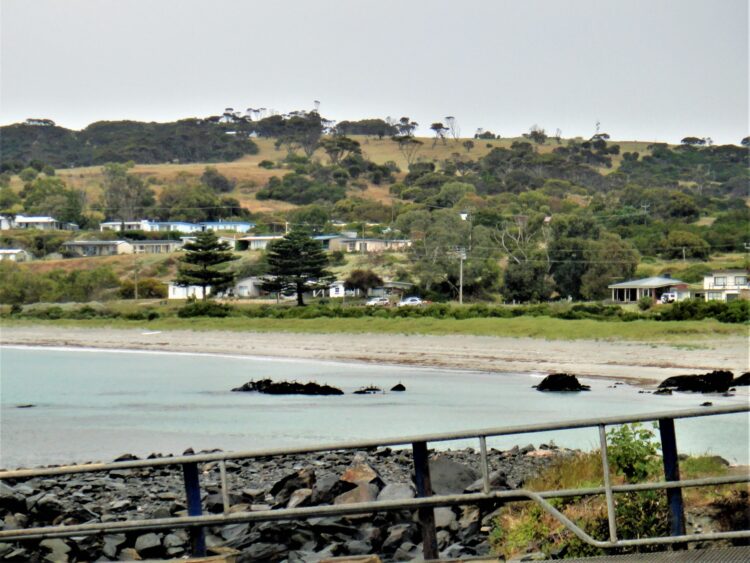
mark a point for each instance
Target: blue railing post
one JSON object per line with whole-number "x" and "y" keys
{"x": 672, "y": 473}
{"x": 193, "y": 493}
{"x": 424, "y": 489}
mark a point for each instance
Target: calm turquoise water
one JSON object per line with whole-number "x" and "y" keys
{"x": 94, "y": 405}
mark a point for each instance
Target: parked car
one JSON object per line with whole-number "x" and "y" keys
{"x": 378, "y": 302}
{"x": 669, "y": 297}
{"x": 410, "y": 302}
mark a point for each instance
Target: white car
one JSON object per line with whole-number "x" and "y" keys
{"x": 669, "y": 297}
{"x": 410, "y": 302}
{"x": 378, "y": 302}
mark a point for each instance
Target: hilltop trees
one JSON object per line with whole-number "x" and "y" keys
{"x": 125, "y": 195}
{"x": 202, "y": 264}
{"x": 296, "y": 263}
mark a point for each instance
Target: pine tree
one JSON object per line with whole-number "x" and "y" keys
{"x": 297, "y": 263}
{"x": 200, "y": 264}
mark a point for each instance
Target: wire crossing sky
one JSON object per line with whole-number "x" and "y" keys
{"x": 646, "y": 69}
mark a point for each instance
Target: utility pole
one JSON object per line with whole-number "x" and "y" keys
{"x": 135, "y": 275}
{"x": 462, "y": 257}
{"x": 683, "y": 254}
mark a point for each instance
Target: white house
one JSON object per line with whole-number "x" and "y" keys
{"x": 233, "y": 226}
{"x": 653, "y": 287}
{"x": 42, "y": 223}
{"x": 249, "y": 287}
{"x": 14, "y": 255}
{"x": 256, "y": 242}
{"x": 98, "y": 247}
{"x": 338, "y": 289}
{"x": 148, "y": 226}
{"x": 156, "y": 246}
{"x": 726, "y": 285}
{"x": 183, "y": 292}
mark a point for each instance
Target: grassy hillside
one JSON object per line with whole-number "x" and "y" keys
{"x": 250, "y": 177}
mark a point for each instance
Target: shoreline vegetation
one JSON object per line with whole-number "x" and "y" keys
{"x": 647, "y": 353}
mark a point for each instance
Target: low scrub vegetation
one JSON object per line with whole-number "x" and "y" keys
{"x": 634, "y": 457}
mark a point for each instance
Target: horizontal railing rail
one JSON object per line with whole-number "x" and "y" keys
{"x": 425, "y": 501}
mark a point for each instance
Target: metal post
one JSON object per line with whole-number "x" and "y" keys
{"x": 193, "y": 494}
{"x": 672, "y": 473}
{"x": 485, "y": 464}
{"x": 608, "y": 485}
{"x": 461, "y": 280}
{"x": 424, "y": 489}
{"x": 224, "y": 491}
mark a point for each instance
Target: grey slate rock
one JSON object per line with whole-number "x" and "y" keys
{"x": 450, "y": 477}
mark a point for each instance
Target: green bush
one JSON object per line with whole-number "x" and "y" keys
{"x": 205, "y": 309}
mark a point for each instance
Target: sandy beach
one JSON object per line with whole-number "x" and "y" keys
{"x": 637, "y": 362}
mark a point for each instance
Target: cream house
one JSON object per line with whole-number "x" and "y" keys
{"x": 726, "y": 285}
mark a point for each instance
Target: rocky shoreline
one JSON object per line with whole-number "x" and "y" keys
{"x": 337, "y": 477}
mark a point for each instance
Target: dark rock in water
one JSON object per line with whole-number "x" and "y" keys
{"x": 707, "y": 404}
{"x": 398, "y": 387}
{"x": 713, "y": 382}
{"x": 126, "y": 457}
{"x": 663, "y": 391}
{"x": 30, "y": 406}
{"x": 450, "y": 477}
{"x": 743, "y": 379}
{"x": 371, "y": 390}
{"x": 270, "y": 387}
{"x": 561, "y": 382}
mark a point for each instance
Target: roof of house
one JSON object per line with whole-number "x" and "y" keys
{"x": 95, "y": 242}
{"x": 646, "y": 283}
{"x": 11, "y": 250}
{"x": 36, "y": 219}
{"x": 249, "y": 223}
{"x": 154, "y": 241}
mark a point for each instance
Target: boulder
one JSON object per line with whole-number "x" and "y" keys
{"x": 371, "y": 390}
{"x": 445, "y": 518}
{"x": 741, "y": 380}
{"x": 301, "y": 479}
{"x": 111, "y": 544}
{"x": 561, "y": 382}
{"x": 718, "y": 381}
{"x": 148, "y": 545}
{"x": 498, "y": 482}
{"x": 270, "y": 387}
{"x": 450, "y": 477}
{"x": 328, "y": 487}
{"x": 57, "y": 550}
{"x": 365, "y": 492}
{"x": 398, "y": 387}
{"x": 361, "y": 472}
{"x": 300, "y": 497}
{"x": 396, "y": 491}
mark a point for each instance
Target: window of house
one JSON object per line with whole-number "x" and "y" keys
{"x": 720, "y": 281}
{"x": 740, "y": 280}
{"x": 714, "y": 295}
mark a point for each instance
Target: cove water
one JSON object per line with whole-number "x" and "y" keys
{"x": 92, "y": 405}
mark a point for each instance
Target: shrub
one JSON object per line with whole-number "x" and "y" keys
{"x": 633, "y": 451}
{"x": 267, "y": 164}
{"x": 205, "y": 309}
{"x": 148, "y": 288}
{"x": 645, "y": 303}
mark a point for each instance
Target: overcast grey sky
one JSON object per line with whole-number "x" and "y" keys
{"x": 647, "y": 69}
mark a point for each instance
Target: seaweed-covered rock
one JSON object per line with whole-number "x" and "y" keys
{"x": 270, "y": 387}
{"x": 561, "y": 382}
{"x": 401, "y": 387}
{"x": 718, "y": 381}
{"x": 742, "y": 380}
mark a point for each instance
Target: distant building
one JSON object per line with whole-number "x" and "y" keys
{"x": 148, "y": 226}
{"x": 91, "y": 248}
{"x": 41, "y": 223}
{"x": 726, "y": 285}
{"x": 14, "y": 255}
{"x": 367, "y": 245}
{"x": 175, "y": 291}
{"x": 156, "y": 246}
{"x": 653, "y": 287}
{"x": 256, "y": 242}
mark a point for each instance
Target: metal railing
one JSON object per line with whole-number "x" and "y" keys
{"x": 425, "y": 501}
